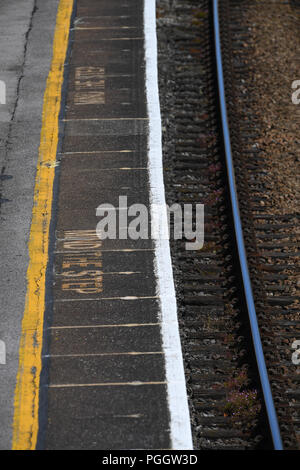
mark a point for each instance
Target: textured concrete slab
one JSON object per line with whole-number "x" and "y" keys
{"x": 109, "y": 21}
{"x": 110, "y": 427}
{"x": 107, "y": 127}
{"x": 115, "y": 60}
{"x": 105, "y": 143}
{"x": 98, "y": 187}
{"x": 105, "y": 312}
{"x": 113, "y": 8}
{"x": 111, "y": 261}
{"x": 104, "y": 161}
{"x": 98, "y": 91}
{"x": 91, "y": 34}
{"x": 107, "y": 368}
{"x": 113, "y": 285}
{"x": 85, "y": 219}
{"x": 144, "y": 338}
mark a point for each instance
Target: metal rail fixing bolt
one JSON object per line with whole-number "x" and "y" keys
{"x": 268, "y": 398}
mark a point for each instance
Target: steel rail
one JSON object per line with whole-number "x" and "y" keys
{"x": 268, "y": 398}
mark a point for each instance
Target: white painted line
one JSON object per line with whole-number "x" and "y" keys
{"x": 103, "y": 273}
{"x": 107, "y": 119}
{"x": 116, "y": 75}
{"x": 120, "y": 169}
{"x": 90, "y": 250}
{"x": 122, "y": 325}
{"x": 115, "y": 169}
{"x": 104, "y": 17}
{"x": 78, "y": 28}
{"x": 180, "y": 427}
{"x": 131, "y": 353}
{"x": 106, "y": 384}
{"x": 128, "y": 297}
{"x": 119, "y": 39}
{"x": 96, "y": 152}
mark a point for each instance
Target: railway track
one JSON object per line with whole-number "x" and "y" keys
{"x": 232, "y": 395}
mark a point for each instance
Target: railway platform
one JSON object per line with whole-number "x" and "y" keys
{"x": 90, "y": 348}
{"x": 100, "y": 364}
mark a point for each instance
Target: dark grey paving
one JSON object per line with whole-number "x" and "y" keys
{"x": 118, "y": 339}
{"x": 111, "y": 261}
{"x": 109, "y": 21}
{"x": 113, "y": 82}
{"x": 106, "y": 127}
{"x": 123, "y": 423}
{"x": 118, "y": 244}
{"x": 114, "y": 285}
{"x": 84, "y": 219}
{"x": 107, "y": 369}
{"x": 95, "y": 187}
{"x": 111, "y": 8}
{"x": 105, "y": 143}
{"x": 105, "y": 312}
{"x": 115, "y": 60}
{"x": 104, "y": 161}
{"x": 106, "y": 384}
{"x": 118, "y": 103}
{"x": 107, "y": 33}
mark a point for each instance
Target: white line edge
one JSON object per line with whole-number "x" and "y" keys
{"x": 180, "y": 427}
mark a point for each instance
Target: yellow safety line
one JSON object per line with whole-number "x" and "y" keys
{"x": 26, "y": 404}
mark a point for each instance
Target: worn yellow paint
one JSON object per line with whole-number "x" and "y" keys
{"x": 26, "y": 404}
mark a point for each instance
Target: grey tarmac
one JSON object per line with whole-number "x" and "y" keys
{"x": 26, "y": 37}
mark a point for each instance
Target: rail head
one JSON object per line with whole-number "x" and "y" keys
{"x": 266, "y": 388}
